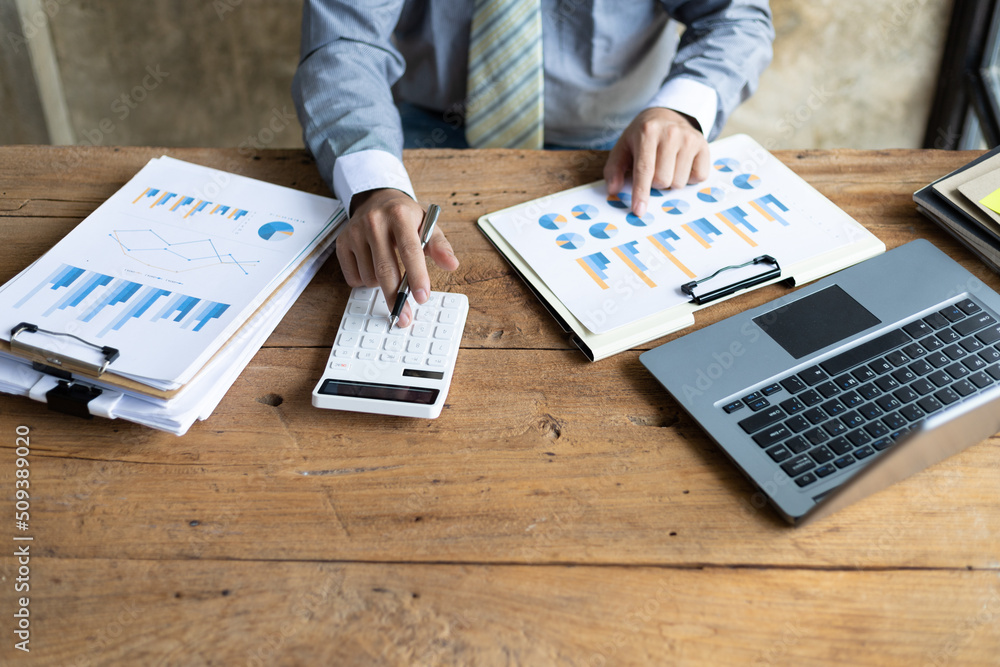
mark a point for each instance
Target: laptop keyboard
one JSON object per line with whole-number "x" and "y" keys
{"x": 850, "y": 407}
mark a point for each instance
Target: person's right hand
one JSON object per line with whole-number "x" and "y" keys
{"x": 385, "y": 222}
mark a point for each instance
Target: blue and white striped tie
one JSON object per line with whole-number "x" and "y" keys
{"x": 505, "y": 82}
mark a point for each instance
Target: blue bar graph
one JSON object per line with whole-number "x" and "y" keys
{"x": 61, "y": 277}
{"x": 737, "y": 216}
{"x": 120, "y": 292}
{"x": 87, "y": 285}
{"x": 703, "y": 230}
{"x": 210, "y": 311}
{"x": 665, "y": 237}
{"x": 768, "y": 206}
{"x": 189, "y": 312}
{"x": 145, "y": 300}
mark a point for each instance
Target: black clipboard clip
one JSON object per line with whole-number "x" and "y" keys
{"x": 62, "y": 364}
{"x": 726, "y": 290}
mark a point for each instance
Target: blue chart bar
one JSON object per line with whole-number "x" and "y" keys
{"x": 209, "y": 311}
{"x": 143, "y": 302}
{"x": 737, "y": 216}
{"x": 120, "y": 292}
{"x": 704, "y": 230}
{"x": 180, "y": 304}
{"x": 87, "y": 285}
{"x": 665, "y": 237}
{"x": 187, "y": 311}
{"x": 64, "y": 276}
{"x": 768, "y": 206}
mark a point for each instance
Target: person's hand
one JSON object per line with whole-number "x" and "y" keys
{"x": 383, "y": 223}
{"x": 662, "y": 149}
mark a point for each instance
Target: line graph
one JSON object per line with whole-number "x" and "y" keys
{"x": 149, "y": 247}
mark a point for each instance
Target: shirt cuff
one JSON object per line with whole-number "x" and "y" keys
{"x": 368, "y": 170}
{"x": 691, "y": 98}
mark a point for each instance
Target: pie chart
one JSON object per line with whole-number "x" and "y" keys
{"x": 552, "y": 221}
{"x": 569, "y": 241}
{"x": 676, "y": 206}
{"x": 585, "y": 212}
{"x": 636, "y": 221}
{"x": 746, "y": 181}
{"x": 275, "y": 231}
{"x": 603, "y": 230}
{"x": 620, "y": 200}
{"x": 726, "y": 164}
{"x": 711, "y": 195}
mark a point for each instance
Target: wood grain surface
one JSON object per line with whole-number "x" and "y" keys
{"x": 559, "y": 512}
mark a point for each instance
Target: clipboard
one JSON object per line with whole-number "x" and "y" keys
{"x": 80, "y": 381}
{"x": 758, "y": 267}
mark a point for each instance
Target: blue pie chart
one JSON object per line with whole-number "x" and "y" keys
{"x": 711, "y": 195}
{"x": 570, "y": 241}
{"x": 276, "y": 231}
{"x": 746, "y": 181}
{"x": 676, "y": 206}
{"x": 621, "y": 200}
{"x": 636, "y": 221}
{"x": 585, "y": 212}
{"x": 727, "y": 164}
{"x": 552, "y": 221}
{"x": 603, "y": 230}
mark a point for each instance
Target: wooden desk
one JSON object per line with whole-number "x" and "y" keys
{"x": 558, "y": 512}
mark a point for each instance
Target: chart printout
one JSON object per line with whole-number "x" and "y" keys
{"x": 610, "y": 267}
{"x": 173, "y": 262}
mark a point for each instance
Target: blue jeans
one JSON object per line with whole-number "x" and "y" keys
{"x": 423, "y": 128}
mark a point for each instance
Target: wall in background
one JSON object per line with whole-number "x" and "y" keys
{"x": 846, "y": 73}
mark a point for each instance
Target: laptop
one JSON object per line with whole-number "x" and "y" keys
{"x": 848, "y": 385}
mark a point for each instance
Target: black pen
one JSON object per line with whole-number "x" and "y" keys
{"x": 430, "y": 219}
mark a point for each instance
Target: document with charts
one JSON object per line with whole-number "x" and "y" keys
{"x": 615, "y": 279}
{"x": 170, "y": 266}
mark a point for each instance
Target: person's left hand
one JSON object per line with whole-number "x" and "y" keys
{"x": 663, "y": 149}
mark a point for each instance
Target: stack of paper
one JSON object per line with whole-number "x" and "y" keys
{"x": 966, "y": 204}
{"x": 185, "y": 271}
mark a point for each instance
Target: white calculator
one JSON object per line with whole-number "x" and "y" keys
{"x": 404, "y": 372}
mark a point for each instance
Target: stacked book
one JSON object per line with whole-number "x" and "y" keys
{"x": 150, "y": 308}
{"x": 966, "y": 204}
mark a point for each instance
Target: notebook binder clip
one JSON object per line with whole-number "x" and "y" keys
{"x": 726, "y": 290}
{"x": 52, "y": 361}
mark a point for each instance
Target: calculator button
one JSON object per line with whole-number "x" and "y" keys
{"x": 362, "y": 292}
{"x": 389, "y": 356}
{"x": 348, "y": 339}
{"x": 370, "y": 342}
{"x": 339, "y": 366}
{"x": 376, "y": 326}
{"x": 450, "y": 301}
{"x": 353, "y": 324}
{"x": 343, "y": 353}
{"x": 440, "y": 347}
{"x": 357, "y": 308}
{"x": 366, "y": 355}
{"x": 443, "y": 332}
{"x": 412, "y": 359}
{"x": 380, "y": 309}
{"x": 393, "y": 345}
{"x": 448, "y": 316}
{"x": 416, "y": 346}
{"x": 420, "y": 330}
{"x": 426, "y": 314}
{"x": 436, "y": 361}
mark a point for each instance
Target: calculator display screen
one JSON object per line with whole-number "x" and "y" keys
{"x": 818, "y": 320}
{"x": 379, "y": 392}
